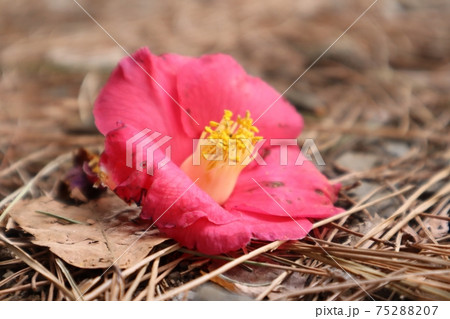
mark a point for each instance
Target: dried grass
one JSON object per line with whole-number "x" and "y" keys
{"x": 382, "y": 91}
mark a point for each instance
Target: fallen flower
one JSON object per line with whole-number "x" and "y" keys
{"x": 78, "y": 184}
{"x": 210, "y": 195}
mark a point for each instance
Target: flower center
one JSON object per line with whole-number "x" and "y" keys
{"x": 222, "y": 152}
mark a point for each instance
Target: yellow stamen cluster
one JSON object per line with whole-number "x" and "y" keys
{"x": 94, "y": 165}
{"x": 230, "y": 141}
{"x": 223, "y": 151}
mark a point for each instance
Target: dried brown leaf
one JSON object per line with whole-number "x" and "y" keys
{"x": 254, "y": 281}
{"x": 438, "y": 227}
{"x": 107, "y": 231}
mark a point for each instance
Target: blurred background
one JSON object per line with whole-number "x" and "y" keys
{"x": 381, "y": 90}
{"x": 377, "y": 105}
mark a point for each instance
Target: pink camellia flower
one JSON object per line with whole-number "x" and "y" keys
{"x": 224, "y": 183}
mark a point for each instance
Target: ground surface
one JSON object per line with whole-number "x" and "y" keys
{"x": 377, "y": 105}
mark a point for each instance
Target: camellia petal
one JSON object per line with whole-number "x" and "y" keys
{"x": 211, "y": 238}
{"x": 299, "y": 188}
{"x": 212, "y": 83}
{"x": 141, "y": 93}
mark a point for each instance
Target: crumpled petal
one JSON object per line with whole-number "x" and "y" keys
{"x": 160, "y": 193}
{"x": 211, "y": 238}
{"x": 186, "y": 213}
{"x": 300, "y": 189}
